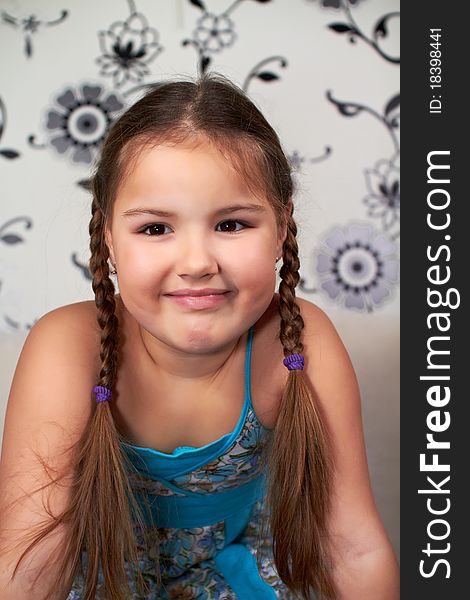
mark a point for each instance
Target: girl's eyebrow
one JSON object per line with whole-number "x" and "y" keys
{"x": 256, "y": 208}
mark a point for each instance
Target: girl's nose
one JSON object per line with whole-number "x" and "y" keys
{"x": 196, "y": 258}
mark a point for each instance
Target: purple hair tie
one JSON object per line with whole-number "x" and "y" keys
{"x": 294, "y": 362}
{"x": 103, "y": 394}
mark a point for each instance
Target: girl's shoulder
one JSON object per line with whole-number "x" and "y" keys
{"x": 59, "y": 362}
{"x": 324, "y": 349}
{"x": 50, "y": 397}
{"x": 315, "y": 319}
{"x": 76, "y": 323}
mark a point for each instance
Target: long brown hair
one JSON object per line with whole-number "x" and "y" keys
{"x": 299, "y": 473}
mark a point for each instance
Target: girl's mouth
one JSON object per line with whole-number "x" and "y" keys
{"x": 200, "y": 302}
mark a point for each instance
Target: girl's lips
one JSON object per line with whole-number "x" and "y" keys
{"x": 200, "y": 302}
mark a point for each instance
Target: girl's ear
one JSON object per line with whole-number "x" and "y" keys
{"x": 283, "y": 230}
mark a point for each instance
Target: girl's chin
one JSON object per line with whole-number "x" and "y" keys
{"x": 204, "y": 337}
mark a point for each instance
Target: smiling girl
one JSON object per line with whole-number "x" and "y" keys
{"x": 197, "y": 435}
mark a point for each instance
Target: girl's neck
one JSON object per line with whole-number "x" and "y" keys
{"x": 171, "y": 363}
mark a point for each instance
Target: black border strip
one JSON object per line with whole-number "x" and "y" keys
{"x": 439, "y": 138}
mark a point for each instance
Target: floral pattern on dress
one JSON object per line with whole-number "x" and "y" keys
{"x": 152, "y": 487}
{"x": 237, "y": 466}
{"x": 180, "y": 548}
{"x": 185, "y": 557}
{"x": 260, "y": 546}
{"x": 202, "y": 582}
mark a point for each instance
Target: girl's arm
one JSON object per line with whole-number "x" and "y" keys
{"x": 48, "y": 408}
{"x": 364, "y": 564}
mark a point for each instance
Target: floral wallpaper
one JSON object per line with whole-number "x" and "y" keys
{"x": 354, "y": 262}
{"x": 324, "y": 72}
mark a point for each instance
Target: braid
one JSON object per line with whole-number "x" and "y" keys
{"x": 105, "y": 302}
{"x": 105, "y": 532}
{"x": 299, "y": 464}
{"x": 291, "y": 319}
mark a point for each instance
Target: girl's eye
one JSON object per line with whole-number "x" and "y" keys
{"x": 231, "y": 226}
{"x": 155, "y": 229}
{"x": 158, "y": 229}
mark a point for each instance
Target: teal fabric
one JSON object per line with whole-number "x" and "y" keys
{"x": 240, "y": 570}
{"x": 199, "y": 510}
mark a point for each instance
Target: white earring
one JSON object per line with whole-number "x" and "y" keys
{"x": 275, "y": 266}
{"x": 112, "y": 269}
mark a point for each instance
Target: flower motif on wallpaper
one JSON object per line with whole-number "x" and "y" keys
{"x": 357, "y": 266}
{"x": 128, "y": 47}
{"x": 79, "y": 121}
{"x": 383, "y": 200}
{"x": 383, "y": 181}
{"x": 214, "y": 32}
{"x": 29, "y": 25}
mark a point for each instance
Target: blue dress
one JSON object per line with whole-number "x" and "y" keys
{"x": 207, "y": 503}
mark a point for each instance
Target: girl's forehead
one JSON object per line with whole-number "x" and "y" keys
{"x": 177, "y": 166}
{"x": 167, "y": 153}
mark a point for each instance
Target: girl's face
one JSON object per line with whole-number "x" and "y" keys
{"x": 185, "y": 223}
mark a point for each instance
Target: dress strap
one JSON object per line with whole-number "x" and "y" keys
{"x": 248, "y": 365}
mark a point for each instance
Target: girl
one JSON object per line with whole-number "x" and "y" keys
{"x": 221, "y": 453}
